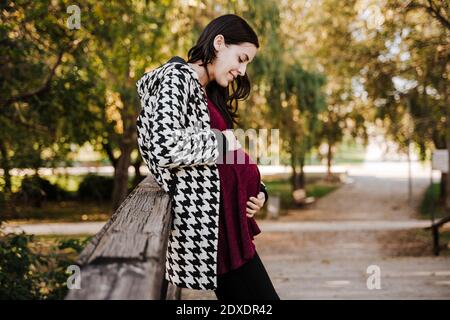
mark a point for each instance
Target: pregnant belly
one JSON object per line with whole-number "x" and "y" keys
{"x": 245, "y": 171}
{"x": 240, "y": 181}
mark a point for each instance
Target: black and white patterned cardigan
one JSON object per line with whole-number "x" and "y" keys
{"x": 181, "y": 151}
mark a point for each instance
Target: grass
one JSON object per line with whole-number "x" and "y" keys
{"x": 431, "y": 203}
{"x": 444, "y": 242}
{"x": 346, "y": 153}
{"x": 53, "y": 239}
{"x": 349, "y": 153}
{"x": 69, "y": 183}
{"x": 315, "y": 187}
{"x": 319, "y": 190}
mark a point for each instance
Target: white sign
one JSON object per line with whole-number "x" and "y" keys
{"x": 440, "y": 160}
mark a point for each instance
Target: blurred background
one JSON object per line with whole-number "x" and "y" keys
{"x": 358, "y": 89}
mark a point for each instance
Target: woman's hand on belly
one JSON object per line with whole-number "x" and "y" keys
{"x": 255, "y": 204}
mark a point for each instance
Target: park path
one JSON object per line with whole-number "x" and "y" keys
{"x": 323, "y": 252}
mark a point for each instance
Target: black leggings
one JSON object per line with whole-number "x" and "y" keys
{"x": 248, "y": 282}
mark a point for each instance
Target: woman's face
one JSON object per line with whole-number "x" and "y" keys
{"x": 231, "y": 60}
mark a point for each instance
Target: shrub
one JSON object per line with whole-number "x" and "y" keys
{"x": 97, "y": 188}
{"x": 27, "y": 272}
{"x": 35, "y": 190}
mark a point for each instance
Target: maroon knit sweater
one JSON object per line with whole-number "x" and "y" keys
{"x": 238, "y": 182}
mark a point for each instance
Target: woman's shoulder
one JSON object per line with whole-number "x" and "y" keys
{"x": 177, "y": 66}
{"x": 173, "y": 69}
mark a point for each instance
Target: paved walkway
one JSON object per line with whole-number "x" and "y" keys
{"x": 267, "y": 226}
{"x": 56, "y": 228}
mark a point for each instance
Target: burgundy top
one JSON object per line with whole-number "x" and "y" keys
{"x": 238, "y": 182}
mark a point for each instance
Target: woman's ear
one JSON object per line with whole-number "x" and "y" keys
{"x": 219, "y": 42}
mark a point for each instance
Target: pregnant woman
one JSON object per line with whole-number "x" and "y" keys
{"x": 184, "y": 138}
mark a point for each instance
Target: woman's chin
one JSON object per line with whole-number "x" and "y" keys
{"x": 224, "y": 83}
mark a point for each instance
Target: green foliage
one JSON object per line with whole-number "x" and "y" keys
{"x": 35, "y": 189}
{"x": 431, "y": 202}
{"x": 282, "y": 188}
{"x": 17, "y": 281}
{"x": 30, "y": 270}
{"x": 320, "y": 190}
{"x": 95, "y": 187}
{"x": 408, "y": 83}
{"x": 51, "y": 97}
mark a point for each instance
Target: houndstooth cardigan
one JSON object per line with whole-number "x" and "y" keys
{"x": 181, "y": 150}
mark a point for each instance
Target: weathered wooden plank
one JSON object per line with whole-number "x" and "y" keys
{"x": 125, "y": 245}
{"x": 173, "y": 292}
{"x": 119, "y": 280}
{"x": 126, "y": 259}
{"x": 147, "y": 202}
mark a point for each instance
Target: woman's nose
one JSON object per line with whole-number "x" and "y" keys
{"x": 242, "y": 70}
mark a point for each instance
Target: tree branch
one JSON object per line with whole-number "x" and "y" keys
{"x": 109, "y": 152}
{"x": 39, "y": 90}
{"x": 435, "y": 12}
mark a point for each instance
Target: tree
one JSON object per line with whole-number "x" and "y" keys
{"x": 49, "y": 92}
{"x": 410, "y": 76}
{"x": 125, "y": 39}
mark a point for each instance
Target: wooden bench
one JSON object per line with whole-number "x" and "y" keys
{"x": 126, "y": 259}
{"x": 300, "y": 197}
{"x": 435, "y": 231}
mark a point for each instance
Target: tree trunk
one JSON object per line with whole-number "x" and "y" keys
{"x": 293, "y": 162}
{"x": 121, "y": 177}
{"x": 301, "y": 181}
{"x": 121, "y": 170}
{"x": 329, "y": 160}
{"x": 293, "y": 177}
{"x": 137, "y": 172}
{"x": 6, "y": 167}
{"x": 109, "y": 152}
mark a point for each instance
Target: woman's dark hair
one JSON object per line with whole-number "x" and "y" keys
{"x": 235, "y": 30}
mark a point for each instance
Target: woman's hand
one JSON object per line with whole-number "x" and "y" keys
{"x": 255, "y": 204}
